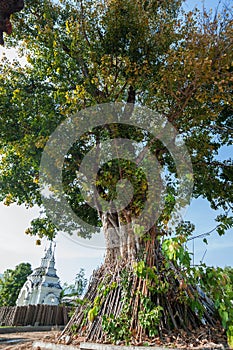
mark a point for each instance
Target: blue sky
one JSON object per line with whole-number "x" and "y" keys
{"x": 16, "y": 247}
{"x": 208, "y": 4}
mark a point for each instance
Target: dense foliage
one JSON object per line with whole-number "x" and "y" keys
{"x": 81, "y": 53}
{"x": 218, "y": 285}
{"x": 11, "y": 283}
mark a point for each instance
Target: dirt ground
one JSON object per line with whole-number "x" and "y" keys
{"x": 30, "y": 337}
{"x": 197, "y": 341}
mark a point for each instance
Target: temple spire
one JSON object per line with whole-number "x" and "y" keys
{"x": 49, "y": 255}
{"x": 42, "y": 286}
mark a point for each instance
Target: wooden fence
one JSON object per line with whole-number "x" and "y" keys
{"x": 34, "y": 315}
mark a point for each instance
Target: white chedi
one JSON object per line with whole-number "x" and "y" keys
{"x": 42, "y": 285}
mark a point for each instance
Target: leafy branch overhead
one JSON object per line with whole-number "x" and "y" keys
{"x": 79, "y": 55}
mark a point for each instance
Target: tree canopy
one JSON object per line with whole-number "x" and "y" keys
{"x": 11, "y": 283}
{"x": 83, "y": 53}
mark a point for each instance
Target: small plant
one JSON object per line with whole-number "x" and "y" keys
{"x": 230, "y": 336}
{"x": 149, "y": 320}
{"x": 73, "y": 328}
{"x": 217, "y": 284}
{"x": 117, "y": 328}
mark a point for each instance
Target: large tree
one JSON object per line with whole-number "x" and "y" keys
{"x": 11, "y": 282}
{"x": 142, "y": 54}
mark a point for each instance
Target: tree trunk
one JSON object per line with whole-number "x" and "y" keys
{"x": 136, "y": 294}
{"x": 121, "y": 243}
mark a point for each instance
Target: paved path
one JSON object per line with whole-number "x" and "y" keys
{"x": 24, "y": 341}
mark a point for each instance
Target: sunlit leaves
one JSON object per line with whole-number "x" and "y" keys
{"x": 81, "y": 53}
{"x": 218, "y": 285}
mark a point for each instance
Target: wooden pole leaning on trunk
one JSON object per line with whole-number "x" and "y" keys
{"x": 7, "y": 7}
{"x": 121, "y": 295}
